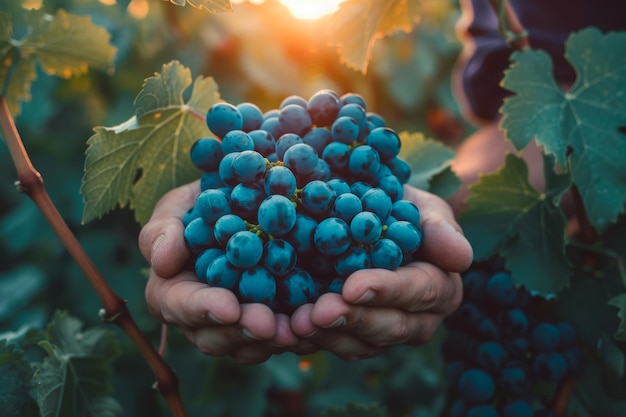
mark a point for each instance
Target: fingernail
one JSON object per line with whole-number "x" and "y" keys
{"x": 341, "y": 321}
{"x": 246, "y": 333}
{"x": 212, "y": 317}
{"x": 367, "y": 297}
{"x": 313, "y": 333}
{"x": 155, "y": 245}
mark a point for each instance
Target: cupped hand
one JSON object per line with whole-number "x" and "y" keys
{"x": 380, "y": 308}
{"x": 211, "y": 318}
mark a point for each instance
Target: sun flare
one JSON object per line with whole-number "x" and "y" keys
{"x": 311, "y": 9}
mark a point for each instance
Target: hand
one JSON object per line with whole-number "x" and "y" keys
{"x": 380, "y": 308}
{"x": 211, "y": 318}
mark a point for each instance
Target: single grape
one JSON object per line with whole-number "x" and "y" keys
{"x": 285, "y": 142}
{"x": 375, "y": 119}
{"x": 332, "y": 236}
{"x": 323, "y": 107}
{"x": 252, "y": 116}
{"x": 336, "y": 154}
{"x": 257, "y": 285}
{"x": 226, "y": 226}
{"x": 392, "y": 186}
{"x": 264, "y": 142}
{"x": 474, "y": 284}
{"x": 211, "y": 205}
{"x": 294, "y": 118}
{"x": 366, "y": 227}
{"x": 386, "y": 254}
{"x": 211, "y": 180}
{"x": 386, "y": 142}
{"x": 377, "y": 201}
{"x": 400, "y": 168}
{"x": 222, "y": 118}
{"x": 244, "y": 249}
{"x": 296, "y": 288}
{"x": 245, "y": 201}
{"x": 345, "y": 130}
{"x": 198, "y": 236}
{"x": 487, "y": 329}
{"x": 519, "y": 408}
{"x": 222, "y": 273}
{"x": 355, "y": 111}
{"x": 321, "y": 172}
{"x": 364, "y": 162}
{"x": 513, "y": 322}
{"x": 545, "y": 337}
{"x": 237, "y": 141}
{"x": 549, "y": 366}
{"x": 317, "y": 198}
{"x": 476, "y": 386}
{"x": 248, "y": 167}
{"x": 272, "y": 126}
{"x": 353, "y": 259}
{"x": 490, "y": 356}
{"x": 301, "y": 234}
{"x": 280, "y": 180}
{"x": 204, "y": 259}
{"x": 406, "y": 210}
{"x": 206, "y": 153}
{"x": 293, "y": 99}
{"x": 339, "y": 185}
{"x": 318, "y": 138}
{"x": 359, "y": 188}
{"x": 276, "y": 215}
{"x": 406, "y": 235}
{"x": 279, "y": 257}
{"x": 501, "y": 290}
{"x": 190, "y": 215}
{"x": 301, "y": 159}
{"x": 353, "y": 98}
{"x": 336, "y": 285}
{"x": 346, "y": 206}
{"x": 515, "y": 380}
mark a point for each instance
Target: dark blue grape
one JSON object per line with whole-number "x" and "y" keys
{"x": 257, "y": 285}
{"x": 279, "y": 257}
{"x": 294, "y": 118}
{"x": 359, "y": 188}
{"x": 276, "y": 215}
{"x": 386, "y": 254}
{"x": 353, "y": 259}
{"x": 225, "y": 170}
{"x": 332, "y": 236}
{"x": 252, "y": 116}
{"x": 364, "y": 162}
{"x": 353, "y": 98}
{"x": 346, "y": 206}
{"x": 476, "y": 386}
{"x": 222, "y": 273}
{"x": 323, "y": 107}
{"x": 375, "y": 119}
{"x": 336, "y": 285}
{"x": 317, "y": 198}
{"x": 211, "y": 205}
{"x": 244, "y": 249}
{"x": 407, "y": 236}
{"x": 366, "y": 227}
{"x": 549, "y": 366}
{"x": 293, "y": 99}
{"x": 272, "y": 126}
{"x": 515, "y": 380}
{"x": 301, "y": 159}
{"x": 245, "y": 200}
{"x": 519, "y": 408}
{"x": 206, "y": 154}
{"x": 513, "y": 322}
{"x": 490, "y": 356}
{"x": 284, "y": 142}
{"x": 222, "y": 118}
{"x": 237, "y": 141}
{"x": 345, "y": 130}
{"x": 377, "y": 201}
{"x": 386, "y": 142}
{"x": 248, "y": 167}
{"x": 392, "y": 186}
{"x": 211, "y": 180}
{"x": 406, "y": 210}
{"x": 474, "y": 284}
{"x": 318, "y": 138}
{"x": 198, "y": 236}
{"x": 301, "y": 234}
{"x": 296, "y": 288}
{"x": 545, "y": 337}
{"x": 336, "y": 154}
{"x": 204, "y": 259}
{"x": 400, "y": 168}
{"x": 226, "y": 226}
{"x": 264, "y": 142}
{"x": 280, "y": 180}
{"x": 501, "y": 290}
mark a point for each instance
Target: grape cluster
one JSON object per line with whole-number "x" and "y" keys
{"x": 503, "y": 346}
{"x": 296, "y": 199}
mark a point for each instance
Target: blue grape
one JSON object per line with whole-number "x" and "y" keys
{"x": 366, "y": 227}
{"x": 377, "y": 201}
{"x": 204, "y": 259}
{"x": 211, "y": 205}
{"x": 301, "y": 159}
{"x": 487, "y": 329}
{"x": 339, "y": 186}
{"x": 400, "y": 168}
{"x": 206, "y": 153}
{"x": 346, "y": 206}
{"x": 211, "y": 180}
{"x": 549, "y": 366}
{"x": 293, "y": 99}
{"x": 519, "y": 408}
{"x": 276, "y": 215}
{"x": 279, "y": 257}
{"x": 517, "y": 347}
{"x": 386, "y": 142}
{"x": 345, "y": 130}
{"x": 355, "y": 111}
{"x": 375, "y": 119}
{"x": 318, "y": 138}
{"x": 406, "y": 210}
{"x": 406, "y": 235}
{"x": 198, "y": 236}
{"x": 301, "y": 234}
{"x": 237, "y": 141}
{"x": 332, "y": 236}
{"x": 336, "y": 154}
{"x": 190, "y": 215}
{"x": 257, "y": 285}
{"x": 513, "y": 322}
{"x": 226, "y": 226}
{"x": 248, "y": 167}
{"x": 321, "y": 172}
{"x": 225, "y": 170}
{"x": 270, "y": 114}
{"x": 271, "y": 125}
{"x": 296, "y": 288}
{"x": 476, "y": 386}
{"x": 222, "y": 273}
{"x": 386, "y": 254}
{"x": 359, "y": 188}
{"x": 490, "y": 356}
{"x": 264, "y": 142}
{"x": 474, "y": 284}
{"x": 222, "y": 118}
{"x": 323, "y": 107}
{"x": 392, "y": 186}
{"x": 545, "y": 337}
{"x": 515, "y": 380}
{"x": 245, "y": 200}
{"x": 336, "y": 285}
{"x": 244, "y": 249}
{"x": 501, "y": 290}
{"x": 285, "y": 142}
{"x": 482, "y": 411}
{"x": 252, "y": 116}
{"x": 294, "y": 118}
{"x": 364, "y": 162}
{"x": 458, "y": 408}
{"x": 353, "y": 259}
{"x": 280, "y": 180}
{"x": 317, "y": 198}
{"x": 353, "y": 98}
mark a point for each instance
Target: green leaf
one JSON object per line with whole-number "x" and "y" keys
{"x": 355, "y": 410}
{"x": 75, "y": 378}
{"x": 153, "y": 145}
{"x": 213, "y": 6}
{"x": 588, "y": 119}
{"x": 428, "y": 160}
{"x": 357, "y": 24}
{"x": 64, "y": 44}
{"x": 507, "y": 215}
{"x": 18, "y": 287}
{"x": 445, "y": 183}
{"x": 15, "y": 383}
{"x": 619, "y": 301}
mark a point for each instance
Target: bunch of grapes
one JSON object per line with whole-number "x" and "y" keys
{"x": 296, "y": 199}
{"x": 503, "y": 350}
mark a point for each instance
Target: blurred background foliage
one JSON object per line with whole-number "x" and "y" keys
{"x": 258, "y": 53}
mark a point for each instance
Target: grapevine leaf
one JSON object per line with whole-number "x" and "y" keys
{"x": 15, "y": 379}
{"x": 445, "y": 183}
{"x": 140, "y": 160}
{"x": 18, "y": 288}
{"x": 355, "y": 410}
{"x": 619, "y": 301}
{"x": 428, "y": 159}
{"x": 64, "y": 44}
{"x": 506, "y": 214}
{"x": 581, "y": 125}
{"x": 357, "y": 24}
{"x": 213, "y": 6}
{"x": 76, "y": 376}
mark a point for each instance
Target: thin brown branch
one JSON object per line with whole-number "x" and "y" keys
{"x": 31, "y": 183}
{"x": 510, "y": 26}
{"x": 562, "y": 396}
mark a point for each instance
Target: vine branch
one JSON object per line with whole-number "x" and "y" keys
{"x": 510, "y": 26}
{"x": 115, "y": 311}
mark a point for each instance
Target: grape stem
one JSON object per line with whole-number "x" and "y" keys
{"x": 510, "y": 26}
{"x": 115, "y": 311}
{"x": 562, "y": 396}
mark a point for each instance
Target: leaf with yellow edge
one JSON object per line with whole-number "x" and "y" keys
{"x": 213, "y": 6}
{"x": 64, "y": 44}
{"x": 141, "y": 159}
{"x": 357, "y": 24}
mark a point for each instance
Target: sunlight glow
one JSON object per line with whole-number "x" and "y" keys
{"x": 311, "y": 9}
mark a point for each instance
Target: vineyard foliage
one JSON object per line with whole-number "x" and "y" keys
{"x": 108, "y": 97}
